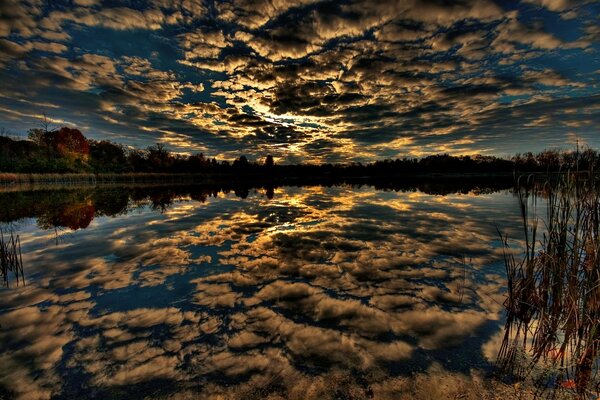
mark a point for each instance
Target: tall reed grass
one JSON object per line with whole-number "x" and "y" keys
{"x": 553, "y": 299}
{"x": 79, "y": 178}
{"x": 12, "y": 179}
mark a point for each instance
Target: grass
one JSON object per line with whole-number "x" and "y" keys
{"x": 78, "y": 178}
{"x": 11, "y": 260}
{"x": 553, "y": 302}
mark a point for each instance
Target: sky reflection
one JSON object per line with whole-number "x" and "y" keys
{"x": 241, "y": 297}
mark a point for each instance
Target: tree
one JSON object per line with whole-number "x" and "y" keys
{"x": 107, "y": 156}
{"x": 269, "y": 163}
{"x": 241, "y": 162}
{"x": 137, "y": 159}
{"x": 159, "y": 158}
{"x": 68, "y": 142}
{"x": 37, "y": 136}
{"x": 45, "y": 124}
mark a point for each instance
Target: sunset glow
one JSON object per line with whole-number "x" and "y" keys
{"x": 331, "y": 81}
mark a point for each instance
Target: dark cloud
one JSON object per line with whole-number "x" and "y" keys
{"x": 286, "y": 77}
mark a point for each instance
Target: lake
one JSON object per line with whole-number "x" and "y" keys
{"x": 289, "y": 292}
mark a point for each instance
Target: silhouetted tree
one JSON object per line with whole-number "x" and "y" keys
{"x": 67, "y": 150}
{"x": 197, "y": 162}
{"x": 36, "y": 135}
{"x": 240, "y": 163}
{"x": 269, "y": 163}
{"x": 107, "y": 156}
{"x": 137, "y": 159}
{"x": 159, "y": 158}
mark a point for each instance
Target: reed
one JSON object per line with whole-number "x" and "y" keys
{"x": 11, "y": 259}
{"x": 11, "y": 179}
{"x": 553, "y": 299}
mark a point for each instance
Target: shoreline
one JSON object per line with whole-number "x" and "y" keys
{"x": 16, "y": 179}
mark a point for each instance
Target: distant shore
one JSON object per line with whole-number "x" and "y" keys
{"x": 108, "y": 178}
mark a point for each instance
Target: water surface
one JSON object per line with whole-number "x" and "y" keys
{"x": 293, "y": 291}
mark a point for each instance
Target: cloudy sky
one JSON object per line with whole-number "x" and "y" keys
{"x": 307, "y": 79}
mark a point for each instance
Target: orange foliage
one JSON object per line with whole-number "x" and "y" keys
{"x": 70, "y": 142}
{"x": 568, "y": 384}
{"x": 76, "y": 216}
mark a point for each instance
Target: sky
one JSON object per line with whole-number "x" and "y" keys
{"x": 307, "y": 80}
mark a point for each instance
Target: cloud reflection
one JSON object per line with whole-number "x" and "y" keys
{"x": 228, "y": 296}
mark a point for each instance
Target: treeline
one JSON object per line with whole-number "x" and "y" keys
{"x": 67, "y": 150}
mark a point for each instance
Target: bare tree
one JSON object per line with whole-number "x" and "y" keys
{"x": 45, "y": 123}
{"x": 39, "y": 135}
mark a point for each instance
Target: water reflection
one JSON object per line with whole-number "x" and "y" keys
{"x": 553, "y": 300}
{"x": 11, "y": 259}
{"x": 296, "y": 292}
{"x": 75, "y": 207}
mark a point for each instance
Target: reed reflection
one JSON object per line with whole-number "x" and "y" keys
{"x": 552, "y": 333}
{"x": 317, "y": 291}
{"x": 11, "y": 259}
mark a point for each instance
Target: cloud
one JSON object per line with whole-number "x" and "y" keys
{"x": 556, "y": 5}
{"x": 253, "y": 14}
{"x": 392, "y": 32}
{"x": 334, "y": 81}
{"x": 203, "y": 44}
{"x": 86, "y": 3}
{"x": 549, "y": 77}
{"x": 120, "y": 18}
{"x": 19, "y": 17}
{"x": 512, "y": 33}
